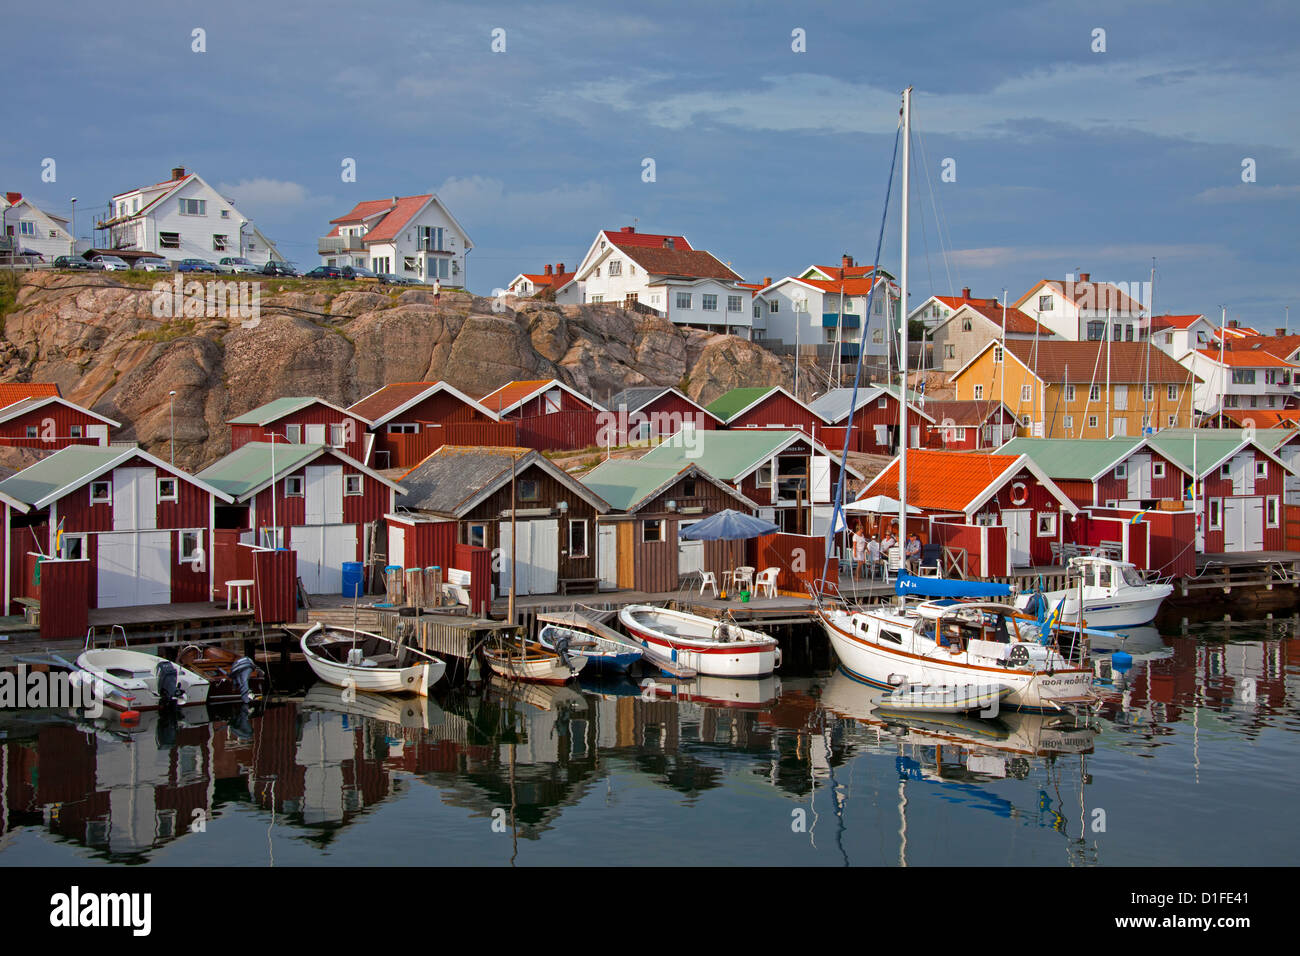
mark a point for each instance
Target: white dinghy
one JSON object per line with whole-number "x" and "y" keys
{"x": 716, "y": 648}
{"x": 365, "y": 661}
{"x": 132, "y": 680}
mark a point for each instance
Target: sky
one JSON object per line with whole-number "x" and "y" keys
{"x": 1042, "y": 147}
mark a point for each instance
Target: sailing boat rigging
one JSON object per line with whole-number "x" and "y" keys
{"x": 956, "y": 645}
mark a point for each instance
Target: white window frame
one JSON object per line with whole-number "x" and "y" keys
{"x": 475, "y": 530}
{"x": 1121, "y": 471}
{"x": 1261, "y": 468}
{"x": 1157, "y": 469}
{"x": 1272, "y": 512}
{"x": 293, "y": 487}
{"x": 1172, "y": 393}
{"x": 1067, "y": 422}
{"x": 1214, "y": 514}
{"x": 338, "y": 435}
{"x": 187, "y": 553}
{"x": 106, "y": 498}
{"x": 176, "y": 489}
{"x": 705, "y": 299}
{"x": 193, "y": 207}
{"x": 979, "y": 393}
{"x": 575, "y": 552}
{"x": 682, "y": 300}
{"x": 293, "y": 434}
{"x": 64, "y": 549}
{"x": 1069, "y": 393}
{"x": 351, "y": 482}
{"x": 1026, "y": 393}
{"x": 658, "y": 524}
{"x": 1093, "y": 422}
{"x": 1050, "y": 530}
{"x": 615, "y": 267}
{"x": 1094, "y": 393}
{"x": 269, "y": 537}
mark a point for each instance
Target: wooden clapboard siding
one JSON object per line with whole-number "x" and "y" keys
{"x": 626, "y": 554}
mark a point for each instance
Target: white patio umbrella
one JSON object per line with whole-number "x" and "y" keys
{"x": 878, "y": 505}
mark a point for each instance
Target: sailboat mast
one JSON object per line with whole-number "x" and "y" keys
{"x": 902, "y": 312}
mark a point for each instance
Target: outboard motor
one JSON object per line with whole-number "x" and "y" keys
{"x": 169, "y": 689}
{"x": 241, "y": 673}
{"x": 562, "y": 646}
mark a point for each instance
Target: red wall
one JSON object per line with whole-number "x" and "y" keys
{"x": 677, "y": 408}
{"x": 275, "y": 588}
{"x": 427, "y": 543}
{"x": 971, "y": 538}
{"x": 72, "y": 582}
{"x": 781, "y": 551}
{"x": 311, "y": 415}
{"x": 14, "y": 431}
{"x": 571, "y": 428}
{"x": 478, "y": 562}
{"x": 779, "y": 410}
{"x": 1216, "y": 487}
{"x": 1038, "y": 501}
{"x": 537, "y": 406}
{"x": 408, "y": 450}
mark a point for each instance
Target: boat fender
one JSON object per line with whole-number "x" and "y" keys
{"x": 1018, "y": 655}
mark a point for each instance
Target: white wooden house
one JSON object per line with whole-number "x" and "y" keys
{"x": 415, "y": 237}
{"x": 32, "y": 230}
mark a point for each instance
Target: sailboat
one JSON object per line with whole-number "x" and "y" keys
{"x": 976, "y": 652}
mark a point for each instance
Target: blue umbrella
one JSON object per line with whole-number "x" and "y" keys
{"x": 728, "y": 525}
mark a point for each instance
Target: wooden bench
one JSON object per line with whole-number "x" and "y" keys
{"x": 31, "y": 609}
{"x": 591, "y": 585}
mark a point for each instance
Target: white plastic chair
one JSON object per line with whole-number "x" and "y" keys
{"x": 707, "y": 580}
{"x": 765, "y": 583}
{"x": 894, "y": 562}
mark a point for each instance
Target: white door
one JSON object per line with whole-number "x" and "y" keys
{"x": 1119, "y": 426}
{"x": 397, "y": 545}
{"x": 545, "y": 557}
{"x": 135, "y": 499}
{"x": 821, "y": 479}
{"x": 1017, "y": 525}
{"x": 690, "y": 554}
{"x": 607, "y": 554}
{"x": 321, "y": 551}
{"x": 323, "y": 491}
{"x": 915, "y": 440}
{"x": 1253, "y": 521}
{"x": 1242, "y": 468}
{"x": 98, "y": 432}
{"x": 134, "y": 568}
{"x": 315, "y": 435}
{"x": 1139, "y": 477}
{"x": 519, "y": 551}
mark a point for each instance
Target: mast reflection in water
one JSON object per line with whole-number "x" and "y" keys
{"x": 789, "y": 769}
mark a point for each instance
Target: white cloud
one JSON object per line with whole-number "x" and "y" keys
{"x": 1248, "y": 192}
{"x": 1217, "y": 106}
{"x": 1080, "y": 256}
{"x": 268, "y": 192}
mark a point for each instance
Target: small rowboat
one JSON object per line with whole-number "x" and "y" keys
{"x": 716, "y": 648}
{"x": 530, "y": 661}
{"x": 602, "y": 653}
{"x": 365, "y": 661}
{"x": 234, "y": 677}
{"x": 944, "y": 698}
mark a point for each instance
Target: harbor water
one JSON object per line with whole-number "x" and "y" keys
{"x": 1191, "y": 761}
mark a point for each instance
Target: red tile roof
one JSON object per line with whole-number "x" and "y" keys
{"x": 850, "y": 286}
{"x": 1264, "y": 417}
{"x": 851, "y": 272}
{"x": 377, "y": 404}
{"x": 1279, "y": 345}
{"x": 956, "y": 301}
{"x": 1103, "y": 295}
{"x": 964, "y": 413}
{"x": 398, "y": 214}
{"x": 690, "y": 263}
{"x": 1058, "y": 360}
{"x": 1018, "y": 322}
{"x": 1246, "y": 358}
{"x": 11, "y": 392}
{"x": 646, "y": 239}
{"x": 512, "y": 392}
{"x": 942, "y": 480}
{"x": 1160, "y": 322}
{"x": 554, "y": 281}
{"x": 365, "y": 210}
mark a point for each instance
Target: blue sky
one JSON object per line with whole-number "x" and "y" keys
{"x": 1066, "y": 159}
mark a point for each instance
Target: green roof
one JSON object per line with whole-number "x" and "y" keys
{"x": 248, "y": 467}
{"x": 1071, "y": 459}
{"x": 624, "y": 483}
{"x": 271, "y": 411}
{"x": 727, "y": 405}
{"x": 1269, "y": 438}
{"x": 726, "y": 455}
{"x": 1206, "y": 451}
{"x": 67, "y": 468}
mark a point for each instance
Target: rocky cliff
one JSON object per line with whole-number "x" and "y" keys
{"x": 102, "y": 339}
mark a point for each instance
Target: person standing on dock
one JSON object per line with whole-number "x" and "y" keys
{"x": 859, "y": 549}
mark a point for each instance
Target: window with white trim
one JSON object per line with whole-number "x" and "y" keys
{"x": 1261, "y": 469}
{"x": 1215, "y": 519}
{"x": 1046, "y": 524}
{"x": 709, "y": 303}
{"x": 338, "y": 435}
{"x": 615, "y": 267}
{"x": 293, "y": 486}
{"x": 101, "y": 492}
{"x": 1026, "y": 393}
{"x": 1157, "y": 469}
{"x": 979, "y": 393}
{"x": 1067, "y": 422}
{"x": 268, "y": 537}
{"x": 1272, "y": 511}
{"x": 1069, "y": 393}
{"x": 733, "y": 303}
{"x": 683, "y": 300}
{"x": 1172, "y": 393}
{"x": 72, "y": 547}
{"x": 167, "y": 489}
{"x": 190, "y": 541}
{"x": 1121, "y": 470}
{"x": 352, "y": 485}
{"x": 1094, "y": 393}
{"x": 652, "y": 529}
{"x": 293, "y": 434}
{"x": 476, "y": 535}
{"x": 1092, "y": 421}
{"x": 194, "y": 207}
{"x": 577, "y": 539}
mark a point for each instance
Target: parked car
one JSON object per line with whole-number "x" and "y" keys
{"x": 330, "y": 272}
{"x": 274, "y": 268}
{"x": 153, "y": 264}
{"x": 195, "y": 265}
{"x": 361, "y": 273}
{"x": 73, "y": 262}
{"x": 112, "y": 263}
{"x": 390, "y": 278}
{"x": 232, "y": 264}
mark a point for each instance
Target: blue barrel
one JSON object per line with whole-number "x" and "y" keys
{"x": 352, "y": 578}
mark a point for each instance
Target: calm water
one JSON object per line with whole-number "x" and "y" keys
{"x": 1193, "y": 761}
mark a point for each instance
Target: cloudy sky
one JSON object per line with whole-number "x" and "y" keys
{"x": 1066, "y": 158}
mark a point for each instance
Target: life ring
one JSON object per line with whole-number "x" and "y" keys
{"x": 1019, "y": 493}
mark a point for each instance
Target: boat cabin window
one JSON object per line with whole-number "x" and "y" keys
{"x": 892, "y": 636}
{"x": 1104, "y": 579}
{"x": 1132, "y": 578}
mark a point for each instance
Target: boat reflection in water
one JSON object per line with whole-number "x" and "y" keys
{"x": 615, "y": 771}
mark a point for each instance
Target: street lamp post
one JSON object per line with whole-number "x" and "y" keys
{"x": 73, "y": 250}
{"x": 171, "y": 442}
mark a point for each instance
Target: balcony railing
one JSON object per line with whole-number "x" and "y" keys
{"x": 334, "y": 245}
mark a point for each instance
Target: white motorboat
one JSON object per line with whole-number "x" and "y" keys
{"x": 602, "y": 653}
{"x": 959, "y": 643}
{"x": 530, "y": 661}
{"x": 1113, "y": 593}
{"x": 364, "y": 661}
{"x": 945, "y": 698}
{"x": 133, "y": 680}
{"x": 715, "y": 648}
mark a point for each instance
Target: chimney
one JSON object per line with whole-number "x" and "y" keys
{"x": 628, "y": 229}
{"x": 965, "y": 293}
{"x": 767, "y": 281}
{"x": 548, "y": 270}
{"x": 1232, "y": 324}
{"x": 13, "y": 197}
{"x": 668, "y": 242}
{"x": 559, "y": 270}
{"x": 1280, "y": 332}
{"x": 1085, "y": 276}
{"x": 178, "y": 173}
{"x": 846, "y": 261}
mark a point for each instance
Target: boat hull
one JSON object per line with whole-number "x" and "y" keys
{"x": 746, "y": 658}
{"x": 879, "y": 666}
{"x": 415, "y": 679}
{"x": 136, "y": 693}
{"x": 537, "y": 670}
{"x": 1108, "y": 613}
